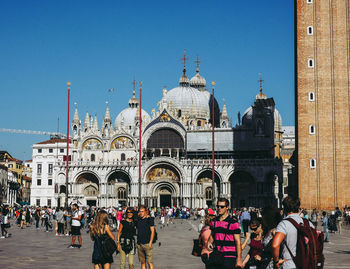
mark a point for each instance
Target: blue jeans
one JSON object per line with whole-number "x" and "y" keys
{"x": 325, "y": 230}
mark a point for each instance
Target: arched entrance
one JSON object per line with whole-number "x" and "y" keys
{"x": 165, "y": 179}
{"x": 204, "y": 187}
{"x": 118, "y": 188}
{"x": 243, "y": 190}
{"x": 165, "y": 194}
{"x": 87, "y": 186}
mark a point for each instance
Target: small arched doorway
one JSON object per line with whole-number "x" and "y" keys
{"x": 87, "y": 186}
{"x": 165, "y": 194}
{"x": 204, "y": 180}
{"x": 243, "y": 190}
{"x": 118, "y": 188}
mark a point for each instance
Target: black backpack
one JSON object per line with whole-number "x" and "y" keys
{"x": 155, "y": 238}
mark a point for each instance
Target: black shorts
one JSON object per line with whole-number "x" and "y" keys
{"x": 75, "y": 230}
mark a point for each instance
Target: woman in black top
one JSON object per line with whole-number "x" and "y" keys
{"x": 126, "y": 239}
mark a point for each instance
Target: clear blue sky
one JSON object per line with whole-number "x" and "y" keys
{"x": 99, "y": 45}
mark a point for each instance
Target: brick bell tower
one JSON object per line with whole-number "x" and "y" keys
{"x": 322, "y": 102}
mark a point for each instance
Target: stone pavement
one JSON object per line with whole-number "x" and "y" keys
{"x": 30, "y": 248}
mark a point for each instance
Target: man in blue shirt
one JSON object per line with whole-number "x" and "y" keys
{"x": 325, "y": 225}
{"x": 245, "y": 220}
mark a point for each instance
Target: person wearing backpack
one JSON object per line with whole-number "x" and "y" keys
{"x": 145, "y": 236}
{"x": 291, "y": 235}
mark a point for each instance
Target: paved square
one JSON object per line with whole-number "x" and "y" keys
{"x": 31, "y": 248}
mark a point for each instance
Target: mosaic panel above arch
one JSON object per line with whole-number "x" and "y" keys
{"x": 162, "y": 173}
{"x": 92, "y": 144}
{"x": 122, "y": 142}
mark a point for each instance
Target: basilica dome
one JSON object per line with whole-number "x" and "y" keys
{"x": 190, "y": 101}
{"x": 248, "y": 116}
{"x": 128, "y": 115}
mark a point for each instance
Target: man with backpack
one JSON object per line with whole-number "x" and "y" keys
{"x": 291, "y": 234}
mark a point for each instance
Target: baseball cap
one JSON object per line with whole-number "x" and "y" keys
{"x": 211, "y": 211}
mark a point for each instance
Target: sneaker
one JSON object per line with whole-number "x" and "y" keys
{"x": 78, "y": 246}
{"x": 71, "y": 246}
{"x": 2, "y": 237}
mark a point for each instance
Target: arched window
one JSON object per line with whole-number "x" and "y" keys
{"x": 209, "y": 193}
{"x": 165, "y": 138}
{"x": 122, "y": 157}
{"x": 312, "y": 163}
{"x": 92, "y": 157}
{"x": 310, "y": 63}
{"x": 311, "y": 96}
{"x": 310, "y": 30}
{"x": 199, "y": 123}
{"x": 121, "y": 193}
{"x": 312, "y": 129}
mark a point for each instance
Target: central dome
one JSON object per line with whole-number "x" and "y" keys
{"x": 190, "y": 101}
{"x": 128, "y": 115}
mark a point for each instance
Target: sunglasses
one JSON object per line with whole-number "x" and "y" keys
{"x": 254, "y": 229}
{"x": 129, "y": 212}
{"x": 220, "y": 206}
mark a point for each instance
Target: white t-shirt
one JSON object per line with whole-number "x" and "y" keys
{"x": 76, "y": 222}
{"x": 291, "y": 234}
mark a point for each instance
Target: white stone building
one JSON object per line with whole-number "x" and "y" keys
{"x": 176, "y": 149}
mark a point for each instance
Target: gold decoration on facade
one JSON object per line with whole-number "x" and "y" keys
{"x": 92, "y": 144}
{"x": 122, "y": 142}
{"x": 164, "y": 117}
{"x": 156, "y": 174}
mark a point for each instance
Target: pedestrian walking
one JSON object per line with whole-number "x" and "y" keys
{"x": 37, "y": 215}
{"x": 205, "y": 234}
{"x": 286, "y": 232}
{"x": 225, "y": 238}
{"x": 145, "y": 236}
{"x": 76, "y": 218}
{"x": 325, "y": 222}
{"x": 60, "y": 221}
{"x": 245, "y": 219}
{"x": 99, "y": 230}
{"x": 46, "y": 218}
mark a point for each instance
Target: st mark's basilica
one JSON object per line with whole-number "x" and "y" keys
{"x": 176, "y": 149}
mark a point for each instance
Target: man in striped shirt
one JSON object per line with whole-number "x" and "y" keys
{"x": 226, "y": 236}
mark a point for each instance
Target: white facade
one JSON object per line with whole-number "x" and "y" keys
{"x": 176, "y": 156}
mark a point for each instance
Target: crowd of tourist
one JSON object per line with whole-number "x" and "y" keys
{"x": 269, "y": 233}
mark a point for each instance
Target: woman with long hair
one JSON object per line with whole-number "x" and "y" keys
{"x": 98, "y": 230}
{"x": 205, "y": 233}
{"x": 271, "y": 216}
{"x": 126, "y": 239}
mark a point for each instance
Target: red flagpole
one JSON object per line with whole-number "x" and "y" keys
{"x": 140, "y": 143}
{"x": 213, "y": 145}
{"x": 67, "y": 155}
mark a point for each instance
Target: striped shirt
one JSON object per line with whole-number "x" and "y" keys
{"x": 223, "y": 237}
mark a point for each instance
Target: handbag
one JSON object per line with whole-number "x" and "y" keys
{"x": 108, "y": 246}
{"x": 197, "y": 245}
{"x": 217, "y": 256}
